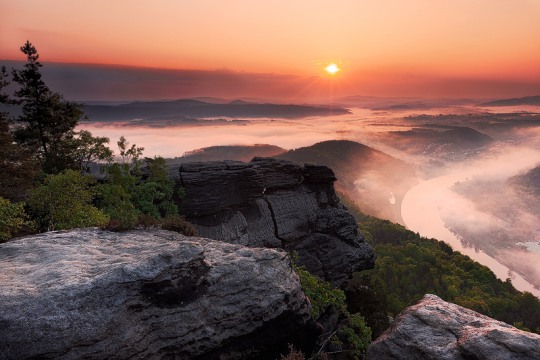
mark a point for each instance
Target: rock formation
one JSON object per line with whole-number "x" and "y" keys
{"x": 146, "y": 294}
{"x": 376, "y": 180}
{"x": 277, "y": 204}
{"x": 438, "y": 330}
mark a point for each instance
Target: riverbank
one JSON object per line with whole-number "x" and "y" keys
{"x": 420, "y": 211}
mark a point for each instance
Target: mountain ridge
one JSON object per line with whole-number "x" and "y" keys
{"x": 200, "y": 109}
{"x": 526, "y": 100}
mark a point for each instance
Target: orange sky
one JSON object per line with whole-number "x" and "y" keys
{"x": 378, "y": 44}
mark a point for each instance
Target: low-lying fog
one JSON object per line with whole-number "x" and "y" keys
{"x": 478, "y": 154}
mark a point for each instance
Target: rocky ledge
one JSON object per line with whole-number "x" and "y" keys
{"x": 276, "y": 204}
{"x": 146, "y": 294}
{"x": 438, "y": 330}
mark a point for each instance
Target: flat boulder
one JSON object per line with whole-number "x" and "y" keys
{"x": 439, "y": 330}
{"x": 94, "y": 294}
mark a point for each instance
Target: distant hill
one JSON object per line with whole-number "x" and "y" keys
{"x": 232, "y": 152}
{"x": 500, "y": 126}
{"x": 438, "y": 140}
{"x": 464, "y": 136}
{"x": 376, "y": 180}
{"x": 189, "y": 110}
{"x": 528, "y": 100}
{"x": 459, "y": 137}
{"x": 403, "y": 107}
{"x": 528, "y": 182}
{"x": 378, "y": 103}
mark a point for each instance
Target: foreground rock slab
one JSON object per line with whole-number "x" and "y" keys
{"x": 435, "y": 329}
{"x": 276, "y": 204}
{"x": 144, "y": 295}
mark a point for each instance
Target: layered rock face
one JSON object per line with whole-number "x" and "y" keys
{"x": 144, "y": 295}
{"x": 277, "y": 204}
{"x": 438, "y": 330}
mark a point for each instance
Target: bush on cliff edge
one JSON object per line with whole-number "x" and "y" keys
{"x": 352, "y": 336}
{"x": 64, "y": 201}
{"x": 12, "y": 218}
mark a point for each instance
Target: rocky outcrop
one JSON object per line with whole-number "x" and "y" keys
{"x": 145, "y": 295}
{"x": 277, "y": 204}
{"x": 438, "y": 330}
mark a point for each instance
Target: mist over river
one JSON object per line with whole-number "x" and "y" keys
{"x": 510, "y": 143}
{"x": 420, "y": 211}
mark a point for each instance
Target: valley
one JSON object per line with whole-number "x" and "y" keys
{"x": 270, "y": 180}
{"x": 426, "y": 167}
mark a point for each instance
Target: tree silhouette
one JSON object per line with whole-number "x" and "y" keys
{"x": 91, "y": 149}
{"x": 18, "y": 168}
{"x": 46, "y": 126}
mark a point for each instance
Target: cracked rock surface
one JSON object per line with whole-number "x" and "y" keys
{"x": 436, "y": 329}
{"x": 94, "y": 294}
{"x": 276, "y": 204}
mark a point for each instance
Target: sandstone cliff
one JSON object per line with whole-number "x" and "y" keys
{"x": 277, "y": 204}
{"x": 375, "y": 180}
{"x": 438, "y": 330}
{"x": 146, "y": 294}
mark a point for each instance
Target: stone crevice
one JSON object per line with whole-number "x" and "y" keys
{"x": 274, "y": 221}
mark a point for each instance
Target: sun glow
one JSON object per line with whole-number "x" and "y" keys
{"x": 332, "y": 69}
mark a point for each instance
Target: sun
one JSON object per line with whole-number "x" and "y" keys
{"x": 332, "y": 69}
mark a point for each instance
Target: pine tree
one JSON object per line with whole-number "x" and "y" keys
{"x": 18, "y": 168}
{"x": 48, "y": 121}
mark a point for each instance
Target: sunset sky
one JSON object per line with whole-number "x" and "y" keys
{"x": 484, "y": 48}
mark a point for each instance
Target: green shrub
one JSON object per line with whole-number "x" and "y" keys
{"x": 130, "y": 198}
{"x": 320, "y": 293}
{"x": 115, "y": 201}
{"x": 154, "y": 199}
{"x": 353, "y": 335}
{"x": 175, "y": 223}
{"x": 179, "y": 224}
{"x": 12, "y": 218}
{"x": 64, "y": 201}
{"x": 146, "y": 221}
{"x": 153, "y": 196}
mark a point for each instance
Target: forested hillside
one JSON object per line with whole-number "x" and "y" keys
{"x": 409, "y": 266}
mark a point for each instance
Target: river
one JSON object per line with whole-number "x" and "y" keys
{"x": 420, "y": 212}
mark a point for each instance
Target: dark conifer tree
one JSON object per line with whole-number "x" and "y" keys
{"x": 46, "y": 126}
{"x": 18, "y": 168}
